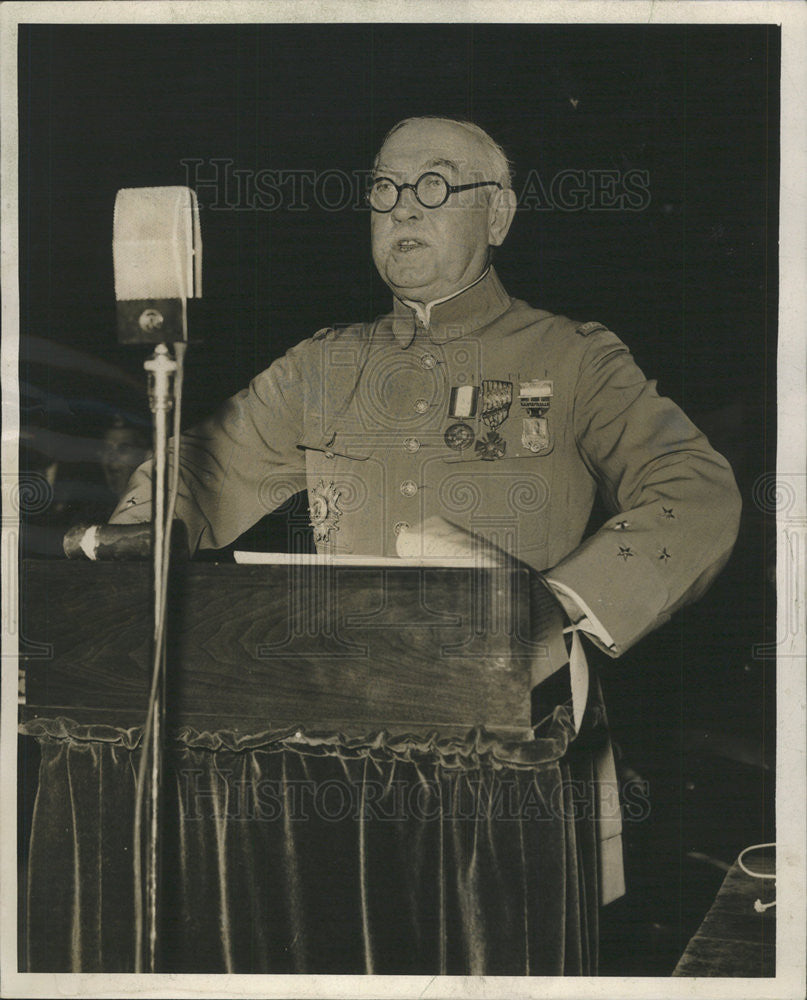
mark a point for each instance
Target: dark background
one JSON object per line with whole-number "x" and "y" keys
{"x": 689, "y": 282}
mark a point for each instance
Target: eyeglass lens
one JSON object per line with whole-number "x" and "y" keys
{"x": 431, "y": 190}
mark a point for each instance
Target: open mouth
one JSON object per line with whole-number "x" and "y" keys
{"x": 407, "y": 245}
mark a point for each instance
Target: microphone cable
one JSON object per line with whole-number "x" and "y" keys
{"x": 759, "y": 906}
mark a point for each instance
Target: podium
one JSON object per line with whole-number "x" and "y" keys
{"x": 348, "y": 648}
{"x": 354, "y": 781}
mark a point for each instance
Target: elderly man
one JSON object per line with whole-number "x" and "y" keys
{"x": 455, "y": 398}
{"x": 470, "y": 407}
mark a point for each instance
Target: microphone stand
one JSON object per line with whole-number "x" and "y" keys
{"x": 157, "y": 256}
{"x": 161, "y": 369}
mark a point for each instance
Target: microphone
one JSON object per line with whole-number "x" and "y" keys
{"x": 157, "y": 256}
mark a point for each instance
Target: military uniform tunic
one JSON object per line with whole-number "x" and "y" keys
{"x": 389, "y": 423}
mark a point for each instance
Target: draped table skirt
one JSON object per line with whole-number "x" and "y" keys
{"x": 298, "y": 852}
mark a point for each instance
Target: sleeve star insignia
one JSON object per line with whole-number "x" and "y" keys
{"x": 667, "y": 512}
{"x": 664, "y": 555}
{"x": 621, "y": 526}
{"x": 625, "y": 552}
{"x": 131, "y": 501}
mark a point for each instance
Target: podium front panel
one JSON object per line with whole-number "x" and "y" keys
{"x": 338, "y": 648}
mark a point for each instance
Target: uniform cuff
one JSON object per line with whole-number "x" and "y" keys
{"x": 581, "y": 615}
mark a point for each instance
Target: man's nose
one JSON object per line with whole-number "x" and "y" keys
{"x": 408, "y": 206}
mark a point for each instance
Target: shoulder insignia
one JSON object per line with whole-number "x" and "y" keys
{"x": 586, "y": 328}
{"x": 323, "y": 333}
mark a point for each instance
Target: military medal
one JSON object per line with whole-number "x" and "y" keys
{"x": 324, "y": 510}
{"x": 536, "y": 396}
{"x": 459, "y": 436}
{"x": 492, "y": 447}
{"x": 496, "y": 399}
{"x": 535, "y": 434}
{"x": 462, "y": 403}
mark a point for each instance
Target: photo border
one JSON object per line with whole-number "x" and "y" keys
{"x": 790, "y": 490}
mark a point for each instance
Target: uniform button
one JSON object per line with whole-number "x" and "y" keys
{"x": 411, "y": 444}
{"x": 409, "y": 488}
{"x": 428, "y": 361}
{"x": 421, "y": 405}
{"x": 401, "y": 526}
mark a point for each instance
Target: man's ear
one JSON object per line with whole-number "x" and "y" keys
{"x": 501, "y": 210}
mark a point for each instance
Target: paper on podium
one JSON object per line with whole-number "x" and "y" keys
{"x": 306, "y": 559}
{"x": 435, "y": 543}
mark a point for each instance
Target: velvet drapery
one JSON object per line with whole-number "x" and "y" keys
{"x": 300, "y": 852}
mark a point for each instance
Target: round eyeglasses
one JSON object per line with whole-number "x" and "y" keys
{"x": 431, "y": 190}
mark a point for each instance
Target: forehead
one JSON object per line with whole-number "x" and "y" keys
{"x": 121, "y": 435}
{"x": 418, "y": 143}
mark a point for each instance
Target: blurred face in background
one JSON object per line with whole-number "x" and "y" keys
{"x": 123, "y": 450}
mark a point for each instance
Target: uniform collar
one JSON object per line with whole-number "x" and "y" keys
{"x": 458, "y": 315}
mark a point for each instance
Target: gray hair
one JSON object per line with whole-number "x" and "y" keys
{"x": 496, "y": 157}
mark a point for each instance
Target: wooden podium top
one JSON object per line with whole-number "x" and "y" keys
{"x": 346, "y": 648}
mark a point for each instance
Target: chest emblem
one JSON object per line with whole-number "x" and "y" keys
{"x": 459, "y": 436}
{"x": 462, "y": 404}
{"x": 492, "y": 447}
{"x": 536, "y": 398}
{"x": 535, "y": 435}
{"x": 324, "y": 510}
{"x": 497, "y": 398}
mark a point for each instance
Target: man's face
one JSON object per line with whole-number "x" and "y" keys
{"x": 427, "y": 253}
{"x": 123, "y": 451}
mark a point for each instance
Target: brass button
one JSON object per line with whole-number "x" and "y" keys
{"x": 411, "y": 445}
{"x": 428, "y": 361}
{"x": 409, "y": 488}
{"x": 401, "y": 526}
{"x": 421, "y": 405}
